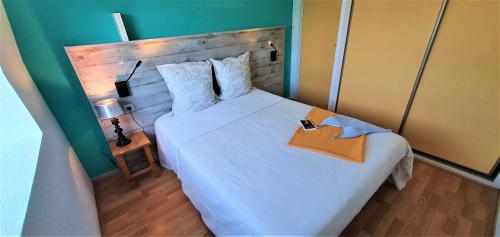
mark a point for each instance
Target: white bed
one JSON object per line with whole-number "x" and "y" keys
{"x": 235, "y": 166}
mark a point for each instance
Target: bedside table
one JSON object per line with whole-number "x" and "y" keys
{"x": 139, "y": 141}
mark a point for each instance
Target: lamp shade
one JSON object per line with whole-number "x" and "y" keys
{"x": 109, "y": 108}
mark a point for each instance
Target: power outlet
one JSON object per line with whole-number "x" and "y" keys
{"x": 129, "y": 108}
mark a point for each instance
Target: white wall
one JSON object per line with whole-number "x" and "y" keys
{"x": 62, "y": 200}
{"x": 20, "y": 140}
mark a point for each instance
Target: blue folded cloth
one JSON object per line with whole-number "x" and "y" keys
{"x": 351, "y": 127}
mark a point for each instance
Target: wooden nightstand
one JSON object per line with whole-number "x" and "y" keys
{"x": 139, "y": 141}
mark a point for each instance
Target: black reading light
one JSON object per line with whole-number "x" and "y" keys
{"x": 122, "y": 86}
{"x": 274, "y": 53}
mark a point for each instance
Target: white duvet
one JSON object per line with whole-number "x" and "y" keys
{"x": 235, "y": 166}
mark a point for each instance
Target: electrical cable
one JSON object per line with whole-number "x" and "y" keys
{"x": 132, "y": 115}
{"x": 110, "y": 158}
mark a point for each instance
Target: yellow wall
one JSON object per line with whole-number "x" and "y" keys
{"x": 386, "y": 43}
{"x": 319, "y": 36}
{"x": 456, "y": 112}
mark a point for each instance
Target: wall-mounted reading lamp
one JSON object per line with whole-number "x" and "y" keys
{"x": 274, "y": 53}
{"x": 122, "y": 86}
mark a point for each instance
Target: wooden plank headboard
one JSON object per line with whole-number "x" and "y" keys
{"x": 98, "y": 66}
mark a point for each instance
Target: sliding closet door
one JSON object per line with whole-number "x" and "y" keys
{"x": 455, "y": 114}
{"x": 320, "y": 23}
{"x": 385, "y": 47}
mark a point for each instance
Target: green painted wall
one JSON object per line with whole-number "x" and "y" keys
{"x": 42, "y": 28}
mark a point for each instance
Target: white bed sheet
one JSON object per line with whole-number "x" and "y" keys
{"x": 171, "y": 132}
{"x": 235, "y": 166}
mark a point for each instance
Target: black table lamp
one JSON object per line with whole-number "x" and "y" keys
{"x": 111, "y": 109}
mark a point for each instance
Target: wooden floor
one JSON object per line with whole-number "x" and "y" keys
{"x": 435, "y": 202}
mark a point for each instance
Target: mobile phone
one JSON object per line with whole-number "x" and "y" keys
{"x": 307, "y": 125}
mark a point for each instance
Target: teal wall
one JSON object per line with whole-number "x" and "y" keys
{"x": 42, "y": 28}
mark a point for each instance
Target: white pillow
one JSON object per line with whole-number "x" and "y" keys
{"x": 233, "y": 76}
{"x": 190, "y": 85}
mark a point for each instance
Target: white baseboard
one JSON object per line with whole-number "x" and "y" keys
{"x": 106, "y": 175}
{"x": 481, "y": 180}
{"x": 454, "y": 170}
{"x": 496, "y": 230}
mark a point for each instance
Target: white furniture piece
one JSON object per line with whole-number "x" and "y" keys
{"x": 235, "y": 166}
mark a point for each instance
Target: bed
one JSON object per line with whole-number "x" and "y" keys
{"x": 235, "y": 166}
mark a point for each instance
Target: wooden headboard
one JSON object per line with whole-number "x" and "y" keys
{"x": 98, "y": 66}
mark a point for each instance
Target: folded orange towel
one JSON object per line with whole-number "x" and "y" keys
{"x": 320, "y": 140}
